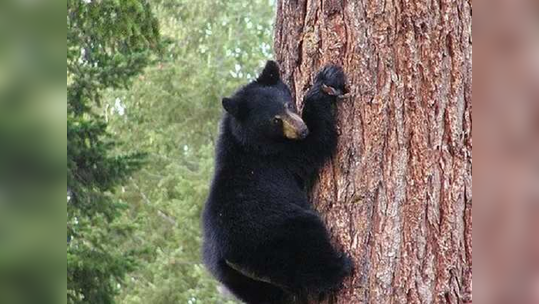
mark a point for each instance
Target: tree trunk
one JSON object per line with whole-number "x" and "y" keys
{"x": 398, "y": 193}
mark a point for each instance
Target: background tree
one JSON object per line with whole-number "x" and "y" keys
{"x": 171, "y": 112}
{"x": 108, "y": 42}
{"x": 398, "y": 193}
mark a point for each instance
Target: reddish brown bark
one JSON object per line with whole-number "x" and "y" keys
{"x": 397, "y": 195}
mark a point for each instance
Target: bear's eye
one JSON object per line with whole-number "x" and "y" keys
{"x": 276, "y": 120}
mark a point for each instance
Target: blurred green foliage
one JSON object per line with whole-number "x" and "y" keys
{"x": 32, "y": 152}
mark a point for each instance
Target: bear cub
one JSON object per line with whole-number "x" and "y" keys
{"x": 262, "y": 238}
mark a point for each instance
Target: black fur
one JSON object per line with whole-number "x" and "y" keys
{"x": 257, "y": 215}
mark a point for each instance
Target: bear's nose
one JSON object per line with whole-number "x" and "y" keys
{"x": 303, "y": 133}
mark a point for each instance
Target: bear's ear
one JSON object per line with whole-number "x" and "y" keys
{"x": 233, "y": 107}
{"x": 270, "y": 74}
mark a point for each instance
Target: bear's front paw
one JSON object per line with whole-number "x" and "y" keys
{"x": 331, "y": 80}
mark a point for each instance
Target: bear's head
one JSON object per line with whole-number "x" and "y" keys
{"x": 262, "y": 113}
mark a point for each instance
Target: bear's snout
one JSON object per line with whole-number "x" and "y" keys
{"x": 294, "y": 127}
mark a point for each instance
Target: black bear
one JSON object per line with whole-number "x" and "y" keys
{"x": 262, "y": 239}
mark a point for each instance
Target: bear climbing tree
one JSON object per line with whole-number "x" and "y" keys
{"x": 398, "y": 193}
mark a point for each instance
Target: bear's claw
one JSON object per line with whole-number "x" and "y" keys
{"x": 331, "y": 90}
{"x": 332, "y": 80}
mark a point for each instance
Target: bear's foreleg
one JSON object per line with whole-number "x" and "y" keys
{"x": 319, "y": 115}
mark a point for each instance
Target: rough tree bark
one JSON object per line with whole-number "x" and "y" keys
{"x": 398, "y": 194}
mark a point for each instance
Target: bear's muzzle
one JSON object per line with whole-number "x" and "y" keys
{"x": 293, "y": 126}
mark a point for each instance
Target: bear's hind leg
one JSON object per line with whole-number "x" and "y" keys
{"x": 251, "y": 291}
